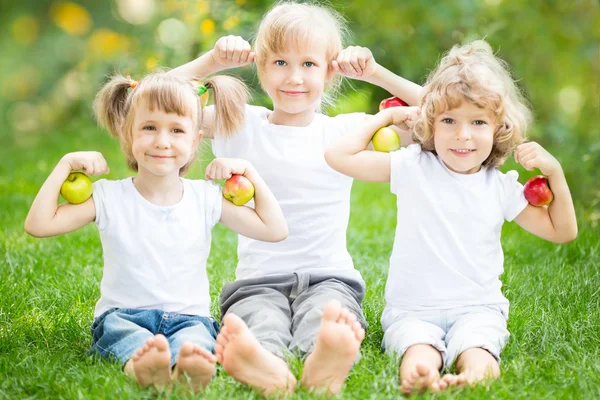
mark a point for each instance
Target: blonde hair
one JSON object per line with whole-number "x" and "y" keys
{"x": 473, "y": 73}
{"x": 303, "y": 25}
{"x": 117, "y": 101}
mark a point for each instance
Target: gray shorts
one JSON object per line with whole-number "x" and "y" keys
{"x": 451, "y": 331}
{"x": 284, "y": 311}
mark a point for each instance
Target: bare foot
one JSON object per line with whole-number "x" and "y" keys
{"x": 246, "y": 360}
{"x": 454, "y": 380}
{"x": 151, "y": 363}
{"x": 421, "y": 379}
{"x": 195, "y": 363}
{"x": 476, "y": 365}
{"x": 338, "y": 343}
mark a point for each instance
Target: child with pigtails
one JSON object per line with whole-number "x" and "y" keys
{"x": 153, "y": 315}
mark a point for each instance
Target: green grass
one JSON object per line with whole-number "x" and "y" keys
{"x": 48, "y": 288}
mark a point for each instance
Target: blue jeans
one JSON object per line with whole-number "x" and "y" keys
{"x": 119, "y": 332}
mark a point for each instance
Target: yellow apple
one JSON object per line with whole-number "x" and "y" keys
{"x": 77, "y": 188}
{"x": 386, "y": 140}
{"x": 238, "y": 189}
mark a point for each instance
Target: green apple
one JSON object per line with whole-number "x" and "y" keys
{"x": 386, "y": 140}
{"x": 77, "y": 188}
{"x": 238, "y": 189}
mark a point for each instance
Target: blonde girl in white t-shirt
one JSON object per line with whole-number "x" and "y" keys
{"x": 444, "y": 300}
{"x": 301, "y": 296}
{"x": 153, "y": 315}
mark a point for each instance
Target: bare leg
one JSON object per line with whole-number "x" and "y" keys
{"x": 150, "y": 365}
{"x": 195, "y": 363}
{"x": 419, "y": 370}
{"x": 248, "y": 362}
{"x": 338, "y": 343}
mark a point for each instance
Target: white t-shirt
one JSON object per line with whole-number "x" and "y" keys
{"x": 447, "y": 250}
{"x": 155, "y": 257}
{"x": 314, "y": 198}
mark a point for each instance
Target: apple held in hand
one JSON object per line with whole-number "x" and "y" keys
{"x": 537, "y": 191}
{"x": 238, "y": 189}
{"x": 392, "y": 102}
{"x": 386, "y": 140}
{"x": 77, "y": 188}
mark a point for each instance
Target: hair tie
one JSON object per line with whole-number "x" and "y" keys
{"x": 201, "y": 90}
{"x": 133, "y": 83}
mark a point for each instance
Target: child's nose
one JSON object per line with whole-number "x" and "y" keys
{"x": 162, "y": 139}
{"x": 463, "y": 132}
{"x": 296, "y": 77}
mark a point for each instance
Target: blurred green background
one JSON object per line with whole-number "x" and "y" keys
{"x": 55, "y": 55}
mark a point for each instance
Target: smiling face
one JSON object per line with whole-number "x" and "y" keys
{"x": 464, "y": 137}
{"x": 295, "y": 79}
{"x": 162, "y": 143}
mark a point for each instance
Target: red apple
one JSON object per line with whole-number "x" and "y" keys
{"x": 386, "y": 139}
{"x": 392, "y": 102}
{"x": 537, "y": 191}
{"x": 238, "y": 189}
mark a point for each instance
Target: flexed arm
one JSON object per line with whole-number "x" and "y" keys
{"x": 555, "y": 222}
{"x": 357, "y": 62}
{"x": 266, "y": 221}
{"x": 46, "y": 217}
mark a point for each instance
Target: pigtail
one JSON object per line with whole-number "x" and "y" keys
{"x": 110, "y": 105}
{"x": 230, "y": 98}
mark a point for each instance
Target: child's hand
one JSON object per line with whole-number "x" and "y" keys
{"x": 403, "y": 115}
{"x": 91, "y": 162}
{"x": 232, "y": 51}
{"x": 355, "y": 62}
{"x": 531, "y": 155}
{"x": 224, "y": 168}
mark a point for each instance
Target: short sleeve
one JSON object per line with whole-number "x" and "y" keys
{"x": 514, "y": 201}
{"x": 100, "y": 197}
{"x": 213, "y": 195}
{"x": 400, "y": 161}
{"x": 348, "y": 123}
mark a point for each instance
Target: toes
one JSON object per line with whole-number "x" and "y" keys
{"x": 332, "y": 311}
{"x": 206, "y": 354}
{"x": 187, "y": 349}
{"x": 233, "y": 323}
{"x": 344, "y": 315}
{"x": 222, "y": 340}
{"x": 225, "y": 333}
{"x": 161, "y": 343}
{"x": 422, "y": 370}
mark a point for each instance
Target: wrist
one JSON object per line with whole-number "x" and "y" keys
{"x": 212, "y": 65}
{"x": 374, "y": 77}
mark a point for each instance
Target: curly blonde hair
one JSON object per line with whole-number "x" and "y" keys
{"x": 473, "y": 73}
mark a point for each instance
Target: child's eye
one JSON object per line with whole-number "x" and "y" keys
{"x": 447, "y": 120}
{"x": 177, "y": 130}
{"x": 309, "y": 64}
{"x": 149, "y": 128}
{"x": 281, "y": 63}
{"x": 480, "y": 122}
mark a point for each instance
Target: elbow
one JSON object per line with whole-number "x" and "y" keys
{"x": 330, "y": 157}
{"x": 567, "y": 237}
{"x": 279, "y": 234}
{"x": 31, "y": 229}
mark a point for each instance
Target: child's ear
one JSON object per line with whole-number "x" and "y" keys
{"x": 200, "y": 135}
